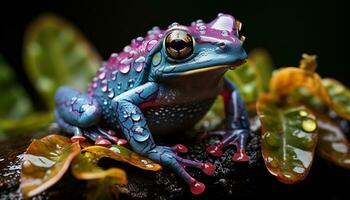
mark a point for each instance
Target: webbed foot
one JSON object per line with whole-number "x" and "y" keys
{"x": 237, "y": 138}
{"x": 168, "y": 156}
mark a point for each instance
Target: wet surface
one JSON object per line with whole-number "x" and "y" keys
{"x": 230, "y": 181}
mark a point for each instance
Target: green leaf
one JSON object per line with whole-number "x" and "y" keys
{"x": 123, "y": 154}
{"x": 85, "y": 167}
{"x": 55, "y": 54}
{"x": 288, "y": 139}
{"x": 339, "y": 95}
{"x": 14, "y": 102}
{"x": 252, "y": 78}
{"x": 332, "y": 143}
{"x": 45, "y": 162}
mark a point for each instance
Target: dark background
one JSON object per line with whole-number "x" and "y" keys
{"x": 285, "y": 28}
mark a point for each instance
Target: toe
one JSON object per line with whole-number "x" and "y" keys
{"x": 197, "y": 187}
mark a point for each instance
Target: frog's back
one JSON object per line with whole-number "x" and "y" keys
{"x": 126, "y": 70}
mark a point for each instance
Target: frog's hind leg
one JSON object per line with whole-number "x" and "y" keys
{"x": 75, "y": 110}
{"x": 237, "y": 129}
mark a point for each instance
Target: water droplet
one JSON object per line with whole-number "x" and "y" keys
{"x": 136, "y": 117}
{"x": 124, "y": 68}
{"x": 102, "y": 75}
{"x": 131, "y": 83}
{"x": 220, "y": 14}
{"x": 119, "y": 85}
{"x": 139, "y": 67}
{"x": 140, "y": 59}
{"x": 309, "y": 125}
{"x": 155, "y": 28}
{"x": 303, "y": 113}
{"x": 126, "y": 61}
{"x": 104, "y": 88}
{"x": 224, "y": 33}
{"x": 111, "y": 94}
{"x": 114, "y": 77}
{"x": 105, "y": 102}
{"x": 202, "y": 27}
{"x": 199, "y": 21}
{"x": 112, "y": 60}
{"x": 151, "y": 44}
{"x": 174, "y": 24}
{"x": 138, "y": 129}
{"x": 140, "y": 39}
{"x": 127, "y": 48}
{"x": 94, "y": 85}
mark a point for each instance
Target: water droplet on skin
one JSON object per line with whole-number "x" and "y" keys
{"x": 136, "y": 117}
{"x": 220, "y": 14}
{"x": 140, "y": 59}
{"x": 124, "y": 69}
{"x": 199, "y": 21}
{"x": 104, "y": 88}
{"x": 102, "y": 75}
{"x": 114, "y": 78}
{"x": 104, "y": 82}
{"x": 202, "y": 28}
{"x": 119, "y": 85}
{"x": 174, "y": 24}
{"x": 127, "y": 48}
{"x": 151, "y": 44}
{"x": 126, "y": 61}
{"x": 105, "y": 102}
{"x": 139, "y": 67}
{"x": 94, "y": 85}
{"x": 111, "y": 94}
{"x": 309, "y": 125}
{"x": 131, "y": 83}
{"x": 140, "y": 39}
{"x": 138, "y": 129}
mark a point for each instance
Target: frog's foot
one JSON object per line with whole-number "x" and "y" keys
{"x": 237, "y": 138}
{"x": 168, "y": 156}
{"x": 103, "y": 138}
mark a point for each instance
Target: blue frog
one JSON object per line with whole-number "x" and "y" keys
{"x": 159, "y": 84}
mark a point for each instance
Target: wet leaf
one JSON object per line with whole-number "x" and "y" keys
{"x": 27, "y": 124}
{"x": 85, "y": 167}
{"x": 14, "y": 101}
{"x": 55, "y": 54}
{"x": 253, "y": 77}
{"x": 287, "y": 81}
{"x": 123, "y": 154}
{"x": 45, "y": 162}
{"x": 333, "y": 144}
{"x": 288, "y": 139}
{"x": 340, "y": 97}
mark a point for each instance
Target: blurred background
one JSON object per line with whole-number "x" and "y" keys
{"x": 285, "y": 28}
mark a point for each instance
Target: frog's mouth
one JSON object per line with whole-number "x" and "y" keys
{"x": 231, "y": 66}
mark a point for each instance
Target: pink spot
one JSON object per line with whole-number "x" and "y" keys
{"x": 94, "y": 85}
{"x": 102, "y": 142}
{"x": 197, "y": 187}
{"x": 122, "y": 142}
{"x": 124, "y": 68}
{"x": 208, "y": 168}
{"x": 151, "y": 44}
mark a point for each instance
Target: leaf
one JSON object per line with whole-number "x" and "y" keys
{"x": 332, "y": 144}
{"x": 14, "y": 103}
{"x": 30, "y": 123}
{"x": 85, "y": 167}
{"x": 56, "y": 53}
{"x": 330, "y": 92}
{"x": 45, "y": 162}
{"x": 288, "y": 139}
{"x": 253, "y": 77}
{"x": 340, "y": 97}
{"x": 123, "y": 154}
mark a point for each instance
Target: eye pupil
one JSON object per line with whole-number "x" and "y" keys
{"x": 179, "y": 44}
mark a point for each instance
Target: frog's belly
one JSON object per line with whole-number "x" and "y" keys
{"x": 175, "y": 118}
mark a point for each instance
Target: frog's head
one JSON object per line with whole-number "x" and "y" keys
{"x": 201, "y": 47}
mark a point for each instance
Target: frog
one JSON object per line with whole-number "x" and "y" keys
{"x": 163, "y": 83}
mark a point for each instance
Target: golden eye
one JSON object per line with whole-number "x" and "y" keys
{"x": 179, "y": 44}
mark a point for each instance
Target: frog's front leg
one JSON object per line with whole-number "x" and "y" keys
{"x": 75, "y": 111}
{"x": 134, "y": 126}
{"x": 237, "y": 125}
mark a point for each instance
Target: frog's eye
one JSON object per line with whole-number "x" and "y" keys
{"x": 179, "y": 44}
